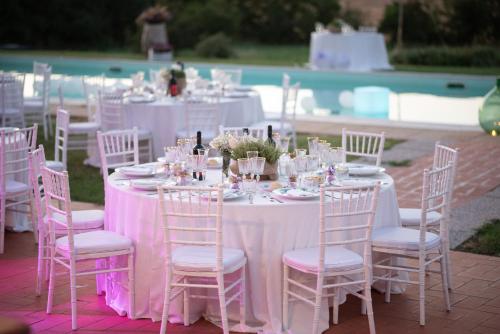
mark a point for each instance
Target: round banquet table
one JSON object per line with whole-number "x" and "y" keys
{"x": 164, "y": 117}
{"x": 263, "y": 230}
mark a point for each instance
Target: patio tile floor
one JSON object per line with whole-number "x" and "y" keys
{"x": 475, "y": 301}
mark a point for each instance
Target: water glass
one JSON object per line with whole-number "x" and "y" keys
{"x": 291, "y": 173}
{"x": 284, "y": 143}
{"x": 312, "y": 163}
{"x": 338, "y": 155}
{"x": 312, "y": 144}
{"x": 341, "y": 172}
{"x": 252, "y": 154}
{"x": 300, "y": 152}
{"x": 250, "y": 188}
{"x": 171, "y": 153}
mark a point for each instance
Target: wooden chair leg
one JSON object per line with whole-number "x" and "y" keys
{"x": 74, "y": 310}
{"x": 285, "y": 296}
{"x": 222, "y": 301}
{"x": 166, "y": 302}
{"x": 243, "y": 311}
{"x": 317, "y": 304}
{"x": 50, "y": 297}
{"x": 131, "y": 285}
{"x": 421, "y": 294}
{"x": 186, "y": 302}
{"x": 2, "y": 225}
{"x": 444, "y": 280}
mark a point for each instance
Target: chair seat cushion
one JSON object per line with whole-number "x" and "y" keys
{"x": 33, "y": 103}
{"x": 82, "y": 219}
{"x": 207, "y": 134}
{"x": 95, "y": 242}
{"x": 403, "y": 238}
{"x": 12, "y": 187}
{"x": 337, "y": 258}
{"x": 83, "y": 127}
{"x": 411, "y": 217}
{"x": 143, "y": 134}
{"x": 199, "y": 258}
{"x": 276, "y": 124}
{"x": 12, "y": 111}
{"x": 54, "y": 165}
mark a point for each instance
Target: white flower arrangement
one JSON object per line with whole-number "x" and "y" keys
{"x": 227, "y": 142}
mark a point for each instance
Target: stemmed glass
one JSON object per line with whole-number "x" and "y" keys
{"x": 250, "y": 188}
{"x": 291, "y": 173}
{"x": 300, "y": 152}
{"x": 312, "y": 143}
{"x": 258, "y": 165}
{"x": 244, "y": 167}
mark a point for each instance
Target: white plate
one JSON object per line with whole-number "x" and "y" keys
{"x": 243, "y": 88}
{"x": 229, "y": 194}
{"x": 236, "y": 95}
{"x": 214, "y": 163}
{"x": 141, "y": 98}
{"x": 364, "y": 170}
{"x": 136, "y": 171}
{"x": 356, "y": 183}
{"x": 298, "y": 193}
{"x": 148, "y": 184}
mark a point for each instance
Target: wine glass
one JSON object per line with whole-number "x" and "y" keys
{"x": 244, "y": 166}
{"x": 291, "y": 173}
{"x": 341, "y": 172}
{"x": 312, "y": 144}
{"x": 300, "y": 152}
{"x": 252, "y": 154}
{"x": 312, "y": 163}
{"x": 250, "y": 188}
{"x": 284, "y": 143}
{"x": 258, "y": 165}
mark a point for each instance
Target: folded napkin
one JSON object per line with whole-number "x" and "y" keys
{"x": 356, "y": 183}
{"x": 299, "y": 193}
{"x": 137, "y": 170}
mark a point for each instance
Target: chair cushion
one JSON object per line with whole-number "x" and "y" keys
{"x": 143, "y": 134}
{"x": 403, "y": 238}
{"x": 83, "y": 127}
{"x": 276, "y": 124}
{"x": 337, "y": 258}
{"x": 12, "y": 186}
{"x": 33, "y": 103}
{"x": 11, "y": 111}
{"x": 411, "y": 217}
{"x": 95, "y": 242}
{"x": 54, "y": 165}
{"x": 199, "y": 258}
{"x": 82, "y": 219}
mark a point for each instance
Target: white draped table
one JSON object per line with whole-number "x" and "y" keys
{"x": 355, "y": 51}
{"x": 263, "y": 230}
{"x": 166, "y": 116}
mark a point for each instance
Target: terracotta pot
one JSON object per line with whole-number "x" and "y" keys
{"x": 181, "y": 84}
{"x": 270, "y": 170}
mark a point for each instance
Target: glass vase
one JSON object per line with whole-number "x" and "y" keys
{"x": 489, "y": 113}
{"x": 226, "y": 160}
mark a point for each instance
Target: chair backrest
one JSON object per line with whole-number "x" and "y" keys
{"x": 111, "y": 110}
{"x": 364, "y": 144}
{"x": 61, "y": 137}
{"x": 39, "y": 71}
{"x": 234, "y": 75}
{"x": 36, "y": 162}
{"x": 435, "y": 197}
{"x": 346, "y": 218}
{"x": 60, "y": 95}
{"x": 91, "y": 85}
{"x": 191, "y": 216}
{"x": 238, "y": 131}
{"x": 15, "y": 146}
{"x": 58, "y": 200}
{"x": 11, "y": 94}
{"x": 118, "y": 148}
{"x": 289, "y": 101}
{"x": 204, "y": 117}
{"x": 444, "y": 155}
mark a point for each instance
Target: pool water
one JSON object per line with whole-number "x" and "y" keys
{"x": 424, "y": 94}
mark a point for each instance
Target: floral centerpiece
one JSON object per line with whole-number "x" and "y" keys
{"x": 177, "y": 70}
{"x": 236, "y": 147}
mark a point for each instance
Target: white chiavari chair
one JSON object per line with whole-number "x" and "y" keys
{"x": 112, "y": 118}
{"x": 118, "y": 148}
{"x": 234, "y": 75}
{"x": 11, "y": 99}
{"x": 424, "y": 246}
{"x": 285, "y": 124}
{"x": 410, "y": 217}
{"x": 83, "y": 220}
{"x": 363, "y": 145}
{"x": 81, "y": 134}
{"x": 73, "y": 248}
{"x": 195, "y": 250}
{"x": 238, "y": 131}
{"x": 15, "y": 190}
{"x": 60, "y": 161}
{"x": 333, "y": 263}
{"x": 36, "y": 108}
{"x": 204, "y": 117}
{"x": 91, "y": 87}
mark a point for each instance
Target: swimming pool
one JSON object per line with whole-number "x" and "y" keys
{"x": 414, "y": 97}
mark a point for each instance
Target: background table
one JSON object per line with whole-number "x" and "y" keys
{"x": 356, "y": 51}
{"x": 264, "y": 231}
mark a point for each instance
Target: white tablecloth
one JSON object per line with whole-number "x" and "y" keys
{"x": 357, "y": 51}
{"x": 264, "y": 231}
{"x": 166, "y": 116}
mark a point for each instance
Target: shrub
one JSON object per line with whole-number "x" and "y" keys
{"x": 215, "y": 46}
{"x": 479, "y": 56}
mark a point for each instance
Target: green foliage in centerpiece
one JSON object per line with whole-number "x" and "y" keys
{"x": 265, "y": 150}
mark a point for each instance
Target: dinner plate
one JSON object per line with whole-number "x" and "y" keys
{"x": 243, "y": 88}
{"x": 298, "y": 193}
{"x": 229, "y": 194}
{"x": 141, "y": 98}
{"x": 364, "y": 170}
{"x": 235, "y": 95}
{"x": 136, "y": 171}
{"x": 356, "y": 182}
{"x": 149, "y": 184}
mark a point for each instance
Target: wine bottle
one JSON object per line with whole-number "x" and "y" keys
{"x": 246, "y": 131}
{"x": 270, "y": 140}
{"x": 172, "y": 85}
{"x": 197, "y": 147}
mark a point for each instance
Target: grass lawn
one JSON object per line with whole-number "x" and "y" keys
{"x": 486, "y": 241}
{"x": 250, "y": 54}
{"x": 86, "y": 183}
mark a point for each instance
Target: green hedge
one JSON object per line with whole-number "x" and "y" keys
{"x": 478, "y": 56}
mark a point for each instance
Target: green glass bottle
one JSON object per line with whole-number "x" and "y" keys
{"x": 489, "y": 113}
